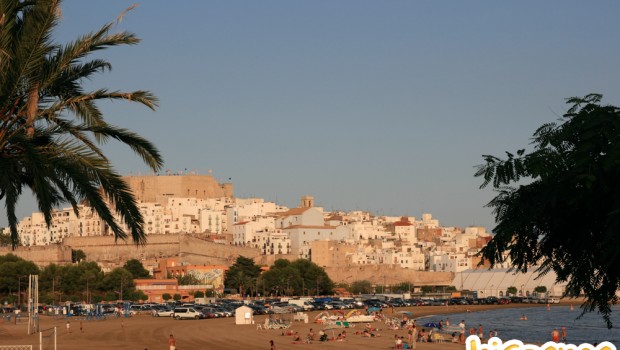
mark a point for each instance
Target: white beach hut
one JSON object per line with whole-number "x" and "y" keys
{"x": 244, "y": 315}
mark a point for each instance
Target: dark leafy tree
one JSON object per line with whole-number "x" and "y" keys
{"x": 241, "y": 274}
{"x": 558, "y": 206}
{"x": 77, "y": 255}
{"x": 283, "y": 280}
{"x": 51, "y": 127}
{"x": 199, "y": 294}
{"x": 120, "y": 281}
{"x": 166, "y": 296}
{"x": 511, "y": 290}
{"x": 311, "y": 273}
{"x": 427, "y": 289}
{"x": 14, "y": 273}
{"x": 176, "y": 297}
{"x": 540, "y": 289}
{"x": 188, "y": 280}
{"x": 136, "y": 268}
{"x": 402, "y": 287}
{"x": 5, "y": 240}
{"x": 296, "y": 278}
{"x": 361, "y": 287}
{"x": 137, "y": 295}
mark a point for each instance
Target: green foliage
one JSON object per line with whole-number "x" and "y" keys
{"x": 242, "y": 275}
{"x": 427, "y": 289}
{"x": 51, "y": 126}
{"x": 402, "y": 287}
{"x": 188, "y": 280}
{"x": 299, "y": 277}
{"x": 137, "y": 295}
{"x": 135, "y": 267}
{"x": 512, "y": 290}
{"x": 361, "y": 287}
{"x": 77, "y": 255}
{"x": 5, "y": 241}
{"x": 557, "y": 206}
{"x": 540, "y": 289}
{"x": 199, "y": 294}
{"x": 166, "y": 296}
{"x": 119, "y": 280}
{"x": 176, "y": 297}
{"x": 12, "y": 270}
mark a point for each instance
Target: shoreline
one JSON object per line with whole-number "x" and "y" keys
{"x": 147, "y": 332}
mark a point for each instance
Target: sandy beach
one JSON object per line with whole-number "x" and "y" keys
{"x": 147, "y": 332}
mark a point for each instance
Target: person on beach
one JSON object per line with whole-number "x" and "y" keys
{"x": 311, "y": 335}
{"x": 172, "y": 343}
{"x": 462, "y": 325}
{"x": 563, "y": 334}
{"x": 555, "y": 336}
{"x": 272, "y": 345}
{"x": 398, "y": 343}
{"x": 414, "y": 337}
{"x": 68, "y": 326}
{"x": 447, "y": 322}
{"x": 462, "y": 338}
{"x": 480, "y": 332}
{"x": 422, "y": 336}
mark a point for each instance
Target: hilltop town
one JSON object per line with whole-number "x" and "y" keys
{"x": 199, "y": 206}
{"x": 192, "y": 220}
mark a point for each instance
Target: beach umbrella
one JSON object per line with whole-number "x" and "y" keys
{"x": 431, "y": 325}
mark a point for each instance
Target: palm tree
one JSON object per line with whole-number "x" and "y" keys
{"x": 51, "y": 128}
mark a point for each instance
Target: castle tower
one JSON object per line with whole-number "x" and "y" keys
{"x": 307, "y": 201}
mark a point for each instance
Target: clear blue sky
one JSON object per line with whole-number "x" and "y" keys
{"x": 384, "y": 106}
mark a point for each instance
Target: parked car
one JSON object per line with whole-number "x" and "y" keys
{"x": 516, "y": 300}
{"x": 186, "y": 313}
{"x": 338, "y": 305}
{"x": 165, "y": 312}
{"x": 208, "y": 312}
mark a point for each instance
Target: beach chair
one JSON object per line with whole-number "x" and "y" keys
{"x": 437, "y": 338}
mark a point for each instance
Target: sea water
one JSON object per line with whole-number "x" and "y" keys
{"x": 590, "y": 328}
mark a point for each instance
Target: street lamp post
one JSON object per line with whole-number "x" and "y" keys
{"x": 54, "y": 288}
{"x": 19, "y": 290}
{"x": 87, "y": 290}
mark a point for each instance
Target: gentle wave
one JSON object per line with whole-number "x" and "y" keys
{"x": 540, "y": 323}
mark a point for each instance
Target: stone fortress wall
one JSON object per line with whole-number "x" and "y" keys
{"x": 190, "y": 249}
{"x": 388, "y": 275}
{"x": 158, "y": 188}
{"x": 41, "y": 255}
{"x": 196, "y": 251}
